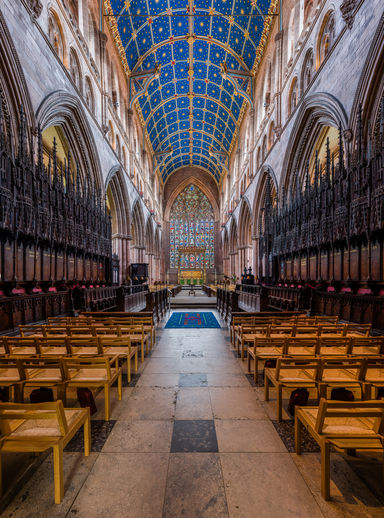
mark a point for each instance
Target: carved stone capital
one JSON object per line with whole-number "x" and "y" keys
{"x": 348, "y": 134}
{"x": 34, "y": 7}
{"x": 347, "y": 9}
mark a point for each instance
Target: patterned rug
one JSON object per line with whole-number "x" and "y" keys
{"x": 192, "y": 320}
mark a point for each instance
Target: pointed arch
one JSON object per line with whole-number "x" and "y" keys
{"x": 138, "y": 224}
{"x": 65, "y": 110}
{"x": 13, "y": 86}
{"x": 245, "y": 223}
{"x": 181, "y": 187}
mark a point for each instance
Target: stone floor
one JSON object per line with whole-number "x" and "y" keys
{"x": 194, "y": 439}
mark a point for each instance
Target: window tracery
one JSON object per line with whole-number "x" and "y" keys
{"x": 56, "y": 36}
{"x": 326, "y": 37}
{"x": 293, "y": 96}
{"x": 89, "y": 97}
{"x": 192, "y": 224}
{"x": 307, "y": 72}
{"x": 74, "y": 69}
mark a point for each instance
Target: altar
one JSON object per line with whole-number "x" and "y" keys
{"x": 191, "y": 255}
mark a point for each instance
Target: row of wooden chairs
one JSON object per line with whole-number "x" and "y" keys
{"x": 135, "y": 334}
{"x": 264, "y": 349}
{"x": 277, "y": 320}
{"x": 248, "y": 335}
{"x": 322, "y": 374}
{"x": 61, "y": 373}
{"x": 107, "y": 346}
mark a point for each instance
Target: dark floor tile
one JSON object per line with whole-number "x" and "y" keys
{"x": 194, "y": 436}
{"x": 192, "y": 354}
{"x": 286, "y": 430}
{"x": 193, "y": 380}
{"x": 100, "y": 431}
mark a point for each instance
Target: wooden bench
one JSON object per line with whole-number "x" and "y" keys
{"x": 38, "y": 427}
{"x": 343, "y": 425}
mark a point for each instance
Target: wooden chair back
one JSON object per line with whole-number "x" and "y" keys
{"x": 301, "y": 346}
{"x": 333, "y": 345}
{"x": 286, "y": 367}
{"x": 16, "y": 345}
{"x": 31, "y": 329}
{"x": 84, "y": 330}
{"x": 337, "y": 412}
{"x": 47, "y": 345}
{"x": 306, "y": 330}
{"x": 55, "y": 330}
{"x": 30, "y": 367}
{"x": 331, "y": 329}
{"x": 278, "y": 344}
{"x": 339, "y": 368}
{"x": 370, "y": 345}
{"x": 287, "y": 330}
{"x": 12, "y": 415}
{"x": 81, "y": 346}
{"x": 361, "y": 329}
{"x": 78, "y": 366}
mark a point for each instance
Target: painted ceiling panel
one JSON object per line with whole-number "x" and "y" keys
{"x": 187, "y": 104}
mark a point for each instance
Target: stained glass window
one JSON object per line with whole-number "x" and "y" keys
{"x": 192, "y": 224}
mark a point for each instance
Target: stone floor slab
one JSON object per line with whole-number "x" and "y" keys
{"x": 245, "y": 435}
{"x": 150, "y": 403}
{"x": 193, "y": 380}
{"x": 266, "y": 485}
{"x": 129, "y": 485}
{"x": 140, "y": 437}
{"x": 235, "y": 403}
{"x": 195, "y": 487}
{"x": 193, "y": 403}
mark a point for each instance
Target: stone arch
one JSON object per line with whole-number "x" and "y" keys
{"x": 315, "y": 112}
{"x": 181, "y": 187}
{"x": 65, "y": 110}
{"x": 244, "y": 222}
{"x": 13, "y": 86}
{"x": 260, "y": 194}
{"x": 370, "y": 89}
{"x": 138, "y": 224}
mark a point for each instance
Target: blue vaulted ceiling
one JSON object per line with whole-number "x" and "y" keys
{"x": 190, "y": 106}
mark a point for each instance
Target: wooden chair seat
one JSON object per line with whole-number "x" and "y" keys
{"x": 343, "y": 425}
{"x": 290, "y": 373}
{"x": 94, "y": 373}
{"x": 264, "y": 348}
{"x": 339, "y": 373}
{"x": 121, "y": 347}
{"x": 35, "y": 428}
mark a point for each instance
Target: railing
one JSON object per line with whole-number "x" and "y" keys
{"x": 24, "y": 309}
{"x": 355, "y": 308}
{"x": 157, "y": 303}
{"x": 130, "y": 298}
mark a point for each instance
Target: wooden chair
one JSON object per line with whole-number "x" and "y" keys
{"x": 372, "y": 376}
{"x": 94, "y": 373}
{"x": 290, "y": 374}
{"x": 331, "y": 329}
{"x": 302, "y": 347}
{"x": 11, "y": 376}
{"x": 3, "y": 350}
{"x": 31, "y": 329}
{"x": 366, "y": 346}
{"x": 149, "y": 327}
{"x": 309, "y": 329}
{"x": 343, "y": 425}
{"x": 80, "y": 331}
{"x": 38, "y": 427}
{"x": 284, "y": 329}
{"x": 333, "y": 346}
{"x": 339, "y": 372}
{"x": 265, "y": 348}
{"x": 19, "y": 346}
{"x": 55, "y": 330}
{"x": 120, "y": 346}
{"x": 54, "y": 346}
{"x": 83, "y": 346}
{"x": 359, "y": 329}
{"x": 137, "y": 335}
{"x": 43, "y": 372}
{"x": 247, "y": 334}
